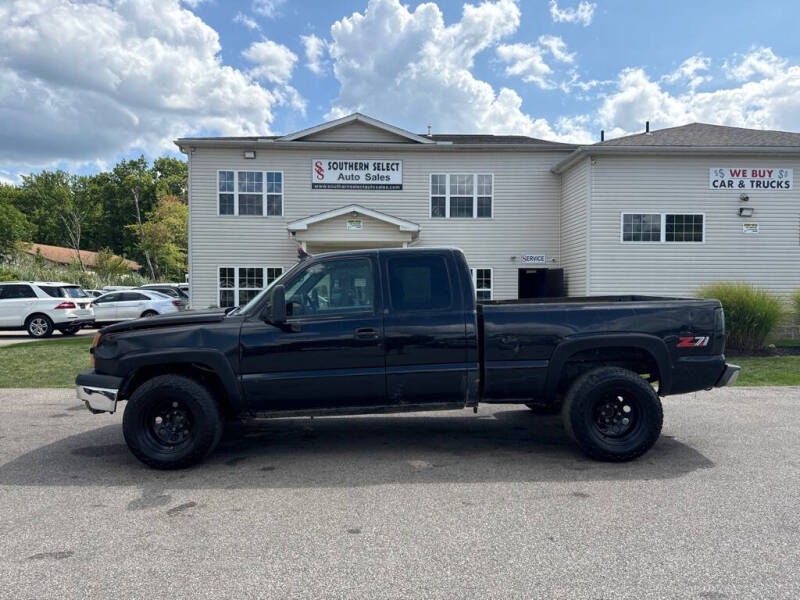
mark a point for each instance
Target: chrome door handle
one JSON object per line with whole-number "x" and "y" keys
{"x": 366, "y": 333}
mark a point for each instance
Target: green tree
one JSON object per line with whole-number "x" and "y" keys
{"x": 165, "y": 234}
{"x": 14, "y": 226}
{"x": 171, "y": 176}
{"x": 109, "y": 265}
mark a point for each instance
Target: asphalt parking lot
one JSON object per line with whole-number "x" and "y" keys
{"x": 425, "y": 505}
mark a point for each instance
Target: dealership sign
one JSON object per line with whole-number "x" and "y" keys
{"x": 356, "y": 174}
{"x": 747, "y": 178}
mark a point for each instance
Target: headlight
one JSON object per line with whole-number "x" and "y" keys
{"x": 95, "y": 342}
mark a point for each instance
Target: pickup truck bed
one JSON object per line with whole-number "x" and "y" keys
{"x": 377, "y": 331}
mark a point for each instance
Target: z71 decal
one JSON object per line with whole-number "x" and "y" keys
{"x": 694, "y": 342}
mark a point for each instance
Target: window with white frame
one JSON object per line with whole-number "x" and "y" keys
{"x": 239, "y": 285}
{"x": 457, "y": 195}
{"x": 663, "y": 227}
{"x": 244, "y": 193}
{"x": 482, "y": 281}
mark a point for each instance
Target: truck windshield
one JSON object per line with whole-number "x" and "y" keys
{"x": 256, "y": 300}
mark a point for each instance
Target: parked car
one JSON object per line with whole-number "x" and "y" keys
{"x": 170, "y": 290}
{"x": 41, "y": 307}
{"x": 132, "y": 304}
{"x": 379, "y": 331}
{"x": 95, "y": 293}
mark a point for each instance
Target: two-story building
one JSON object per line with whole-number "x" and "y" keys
{"x": 660, "y": 212}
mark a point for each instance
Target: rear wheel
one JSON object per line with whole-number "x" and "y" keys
{"x": 172, "y": 422}
{"x": 39, "y": 326}
{"x": 612, "y": 414}
{"x": 149, "y": 313}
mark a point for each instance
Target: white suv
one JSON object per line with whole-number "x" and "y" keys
{"x": 40, "y": 307}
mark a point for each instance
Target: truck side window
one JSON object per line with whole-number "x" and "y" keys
{"x": 419, "y": 283}
{"x": 332, "y": 287}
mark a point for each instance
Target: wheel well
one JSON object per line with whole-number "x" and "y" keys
{"x": 199, "y": 372}
{"x": 634, "y": 359}
{"x": 36, "y": 314}
{"x": 149, "y": 310}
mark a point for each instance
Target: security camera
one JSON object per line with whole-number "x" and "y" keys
{"x": 744, "y": 197}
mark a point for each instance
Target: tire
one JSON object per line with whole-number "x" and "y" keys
{"x": 70, "y": 330}
{"x": 612, "y": 414}
{"x": 148, "y": 313}
{"x": 39, "y": 326}
{"x": 157, "y": 408}
{"x": 544, "y": 409}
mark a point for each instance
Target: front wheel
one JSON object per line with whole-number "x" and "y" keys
{"x": 613, "y": 414}
{"x": 172, "y": 422}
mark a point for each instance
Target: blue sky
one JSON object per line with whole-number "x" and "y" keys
{"x": 83, "y": 84}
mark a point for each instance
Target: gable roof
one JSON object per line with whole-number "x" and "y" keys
{"x": 705, "y": 135}
{"x": 402, "y": 224}
{"x": 693, "y": 138}
{"x": 413, "y": 137}
{"x": 65, "y": 256}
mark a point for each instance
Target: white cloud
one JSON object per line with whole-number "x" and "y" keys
{"x": 583, "y": 14}
{"x": 84, "y": 81}
{"x": 315, "y": 49}
{"x": 273, "y": 62}
{"x": 689, "y": 71}
{"x": 420, "y": 73}
{"x": 557, "y": 47}
{"x": 760, "y": 61}
{"x": 526, "y": 61}
{"x": 268, "y": 8}
{"x": 248, "y": 22}
{"x": 769, "y": 102}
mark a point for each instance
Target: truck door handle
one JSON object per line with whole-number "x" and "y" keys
{"x": 366, "y": 333}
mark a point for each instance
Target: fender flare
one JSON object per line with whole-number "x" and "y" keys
{"x": 207, "y": 357}
{"x": 653, "y": 345}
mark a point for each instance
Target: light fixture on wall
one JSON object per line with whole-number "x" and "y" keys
{"x": 745, "y": 211}
{"x": 744, "y": 197}
{"x": 249, "y": 153}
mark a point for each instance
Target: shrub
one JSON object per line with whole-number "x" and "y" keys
{"x": 750, "y": 313}
{"x": 795, "y": 301}
{"x": 24, "y": 269}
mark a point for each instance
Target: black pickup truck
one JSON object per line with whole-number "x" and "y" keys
{"x": 380, "y": 331}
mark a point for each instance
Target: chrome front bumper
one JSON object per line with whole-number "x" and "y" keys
{"x": 729, "y": 375}
{"x": 97, "y": 399}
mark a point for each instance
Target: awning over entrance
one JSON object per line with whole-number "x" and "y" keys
{"x": 351, "y": 227}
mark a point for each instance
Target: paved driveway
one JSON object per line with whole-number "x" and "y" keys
{"x": 15, "y": 337}
{"x": 429, "y": 505}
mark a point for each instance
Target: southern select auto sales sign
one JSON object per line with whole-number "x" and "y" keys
{"x": 356, "y": 174}
{"x": 750, "y": 178}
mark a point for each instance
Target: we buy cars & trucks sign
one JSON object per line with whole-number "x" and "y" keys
{"x": 356, "y": 174}
{"x": 750, "y": 178}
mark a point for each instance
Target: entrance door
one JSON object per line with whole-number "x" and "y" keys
{"x": 330, "y": 351}
{"x": 541, "y": 283}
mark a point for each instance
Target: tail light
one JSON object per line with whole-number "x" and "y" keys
{"x": 90, "y": 305}
{"x": 96, "y": 341}
{"x": 176, "y": 303}
{"x": 65, "y": 305}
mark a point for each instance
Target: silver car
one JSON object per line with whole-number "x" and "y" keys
{"x": 132, "y": 304}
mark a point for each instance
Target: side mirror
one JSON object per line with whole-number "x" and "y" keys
{"x": 276, "y": 313}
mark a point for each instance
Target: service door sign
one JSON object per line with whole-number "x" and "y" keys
{"x": 356, "y": 174}
{"x": 750, "y": 178}
{"x": 533, "y": 259}
{"x": 749, "y": 227}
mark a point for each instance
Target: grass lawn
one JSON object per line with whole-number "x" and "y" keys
{"x": 54, "y": 363}
{"x": 787, "y": 343}
{"x": 767, "y": 370}
{"x": 49, "y": 363}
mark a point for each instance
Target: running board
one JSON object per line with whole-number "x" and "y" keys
{"x": 357, "y": 410}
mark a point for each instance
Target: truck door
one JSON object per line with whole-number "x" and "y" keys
{"x": 425, "y": 329}
{"x": 329, "y": 353}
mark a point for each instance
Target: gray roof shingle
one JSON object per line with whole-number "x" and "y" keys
{"x": 477, "y": 138}
{"x": 703, "y": 134}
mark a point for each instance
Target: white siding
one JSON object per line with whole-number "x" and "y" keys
{"x": 574, "y": 222}
{"x": 354, "y": 131}
{"x": 770, "y": 259}
{"x": 526, "y": 210}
